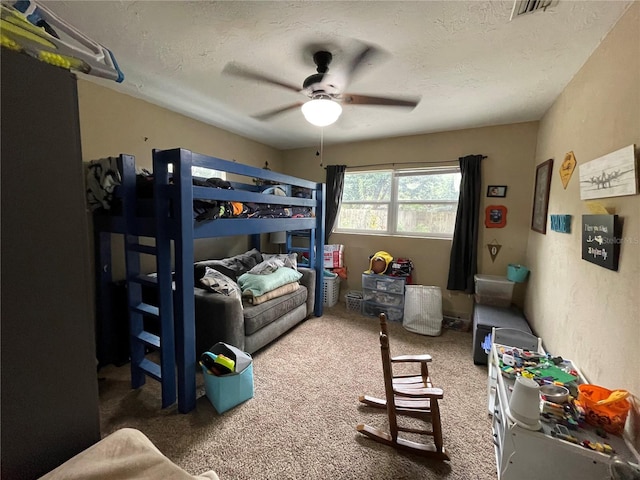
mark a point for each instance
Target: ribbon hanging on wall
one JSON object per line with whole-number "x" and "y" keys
{"x": 494, "y": 248}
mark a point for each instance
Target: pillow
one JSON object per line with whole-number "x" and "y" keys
{"x": 290, "y": 259}
{"x": 220, "y": 283}
{"x": 261, "y": 284}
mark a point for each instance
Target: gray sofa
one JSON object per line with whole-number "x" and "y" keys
{"x": 221, "y": 318}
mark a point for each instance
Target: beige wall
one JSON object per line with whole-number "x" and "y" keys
{"x": 112, "y": 123}
{"x": 583, "y": 311}
{"x": 510, "y": 151}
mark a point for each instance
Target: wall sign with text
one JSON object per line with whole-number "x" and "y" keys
{"x": 601, "y": 240}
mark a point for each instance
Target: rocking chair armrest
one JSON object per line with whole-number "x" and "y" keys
{"x": 411, "y": 358}
{"x": 436, "y": 393}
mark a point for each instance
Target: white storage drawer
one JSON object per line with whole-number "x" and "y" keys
{"x": 493, "y": 290}
{"x": 383, "y": 294}
{"x": 373, "y": 310}
{"x": 384, "y": 298}
{"x": 383, "y": 283}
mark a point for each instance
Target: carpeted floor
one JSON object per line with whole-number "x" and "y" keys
{"x": 301, "y": 422}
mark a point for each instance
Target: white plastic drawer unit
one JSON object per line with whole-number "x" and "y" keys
{"x": 383, "y": 297}
{"x": 383, "y": 294}
{"x": 383, "y": 283}
{"x": 373, "y": 310}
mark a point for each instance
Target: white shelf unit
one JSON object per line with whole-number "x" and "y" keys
{"x": 523, "y": 454}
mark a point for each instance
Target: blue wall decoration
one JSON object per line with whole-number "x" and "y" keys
{"x": 561, "y": 223}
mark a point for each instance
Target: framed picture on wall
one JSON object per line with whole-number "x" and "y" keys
{"x": 495, "y": 216}
{"x": 541, "y": 196}
{"x": 497, "y": 191}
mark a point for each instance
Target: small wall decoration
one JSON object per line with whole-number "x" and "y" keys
{"x": 561, "y": 223}
{"x": 601, "y": 240}
{"x": 494, "y": 248}
{"x": 541, "y": 196}
{"x": 497, "y": 191}
{"x": 611, "y": 175}
{"x": 495, "y": 216}
{"x": 567, "y": 168}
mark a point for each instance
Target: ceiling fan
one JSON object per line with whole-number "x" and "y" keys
{"x": 325, "y": 90}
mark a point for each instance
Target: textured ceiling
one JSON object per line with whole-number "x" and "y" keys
{"x": 470, "y": 65}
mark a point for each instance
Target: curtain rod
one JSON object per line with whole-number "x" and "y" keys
{"x": 393, "y": 164}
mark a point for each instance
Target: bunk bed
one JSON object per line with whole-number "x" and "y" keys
{"x": 168, "y": 217}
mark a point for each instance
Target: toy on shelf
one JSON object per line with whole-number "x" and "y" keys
{"x": 32, "y": 28}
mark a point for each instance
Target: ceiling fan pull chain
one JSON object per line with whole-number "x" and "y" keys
{"x": 321, "y": 145}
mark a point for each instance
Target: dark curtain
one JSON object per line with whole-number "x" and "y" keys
{"x": 463, "y": 263}
{"x": 335, "y": 184}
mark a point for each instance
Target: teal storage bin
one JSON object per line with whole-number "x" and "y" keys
{"x": 227, "y": 391}
{"x": 517, "y": 273}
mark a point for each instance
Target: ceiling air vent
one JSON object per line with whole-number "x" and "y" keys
{"x": 522, "y": 7}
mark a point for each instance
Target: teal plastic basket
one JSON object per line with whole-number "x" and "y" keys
{"x": 517, "y": 273}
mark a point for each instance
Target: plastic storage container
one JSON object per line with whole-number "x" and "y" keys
{"x": 383, "y": 283}
{"x": 383, "y": 293}
{"x": 493, "y": 290}
{"x": 374, "y": 310}
{"x": 331, "y": 290}
{"x": 353, "y": 299}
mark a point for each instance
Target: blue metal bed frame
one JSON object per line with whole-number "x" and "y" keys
{"x": 168, "y": 218}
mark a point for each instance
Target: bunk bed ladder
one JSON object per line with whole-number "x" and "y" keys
{"x": 314, "y": 248}
{"x": 142, "y": 340}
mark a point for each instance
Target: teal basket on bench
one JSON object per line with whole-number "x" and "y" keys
{"x": 517, "y": 273}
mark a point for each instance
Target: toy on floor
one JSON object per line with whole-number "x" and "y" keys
{"x": 217, "y": 364}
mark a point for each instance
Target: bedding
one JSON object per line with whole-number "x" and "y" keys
{"x": 290, "y": 259}
{"x": 220, "y": 283}
{"x": 260, "y": 284}
{"x": 125, "y": 454}
{"x": 275, "y": 293}
{"x": 103, "y": 177}
{"x": 232, "y": 267}
{"x": 272, "y": 262}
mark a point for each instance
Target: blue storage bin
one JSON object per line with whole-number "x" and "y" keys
{"x": 227, "y": 391}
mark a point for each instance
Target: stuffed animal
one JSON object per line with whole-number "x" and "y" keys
{"x": 379, "y": 262}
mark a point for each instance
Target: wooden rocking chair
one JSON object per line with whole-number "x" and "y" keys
{"x": 411, "y": 395}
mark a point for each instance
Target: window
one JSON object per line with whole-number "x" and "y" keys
{"x": 207, "y": 173}
{"x": 420, "y": 203}
{"x": 202, "y": 172}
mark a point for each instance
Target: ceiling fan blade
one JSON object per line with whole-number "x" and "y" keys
{"x": 351, "y": 99}
{"x": 243, "y": 72}
{"x": 341, "y": 77}
{"x": 272, "y": 113}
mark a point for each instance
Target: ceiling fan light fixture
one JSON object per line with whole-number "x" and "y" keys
{"x": 321, "y": 112}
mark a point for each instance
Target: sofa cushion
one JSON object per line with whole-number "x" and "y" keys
{"x": 257, "y": 316}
